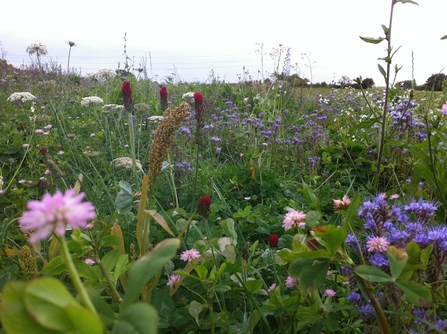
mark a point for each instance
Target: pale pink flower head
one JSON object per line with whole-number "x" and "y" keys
{"x": 54, "y": 212}
{"x": 394, "y": 196}
{"x": 174, "y": 281}
{"x": 90, "y": 262}
{"x": 293, "y": 219}
{"x": 377, "y": 244}
{"x": 329, "y": 293}
{"x": 291, "y": 282}
{"x": 190, "y": 254}
{"x": 272, "y": 287}
{"x": 444, "y": 109}
{"x": 340, "y": 204}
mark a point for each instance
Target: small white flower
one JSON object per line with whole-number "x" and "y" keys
{"x": 188, "y": 96}
{"x": 155, "y": 119}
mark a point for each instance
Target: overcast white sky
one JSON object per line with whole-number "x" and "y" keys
{"x": 196, "y": 37}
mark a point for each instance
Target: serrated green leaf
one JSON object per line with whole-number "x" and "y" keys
{"x": 418, "y": 294}
{"x": 372, "y": 274}
{"x": 372, "y": 40}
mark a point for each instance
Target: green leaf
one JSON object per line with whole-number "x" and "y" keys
{"x": 425, "y": 254}
{"x": 124, "y": 198}
{"x": 194, "y": 308}
{"x": 201, "y": 271}
{"x": 13, "y": 315}
{"x": 253, "y": 285}
{"x": 109, "y": 241}
{"x": 413, "y": 251}
{"x": 46, "y": 300}
{"x": 109, "y": 260}
{"x": 137, "y": 319}
{"x": 312, "y": 217}
{"x": 382, "y": 71}
{"x": 418, "y": 294}
{"x": 311, "y": 272}
{"x": 228, "y": 228}
{"x": 147, "y": 267}
{"x": 55, "y": 267}
{"x": 253, "y": 320}
{"x": 84, "y": 320}
{"x": 335, "y": 237}
{"x": 104, "y": 309}
{"x": 372, "y": 274}
{"x": 398, "y": 259}
{"x": 444, "y": 37}
{"x": 408, "y": 1}
{"x": 372, "y": 40}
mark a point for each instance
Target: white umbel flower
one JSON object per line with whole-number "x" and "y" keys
{"x": 91, "y": 101}
{"x": 21, "y": 97}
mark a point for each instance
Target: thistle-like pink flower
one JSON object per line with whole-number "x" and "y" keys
{"x": 293, "y": 219}
{"x": 329, "y": 293}
{"x": 174, "y": 280}
{"x": 54, "y": 212}
{"x": 340, "y": 204}
{"x": 377, "y": 244}
{"x": 190, "y": 254}
{"x": 444, "y": 109}
{"x": 292, "y": 282}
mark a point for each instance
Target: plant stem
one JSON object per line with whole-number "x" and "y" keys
{"x": 386, "y": 329}
{"x": 387, "y": 93}
{"x": 74, "y": 276}
{"x": 112, "y": 286}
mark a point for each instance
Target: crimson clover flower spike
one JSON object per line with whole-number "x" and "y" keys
{"x": 127, "y": 96}
{"x": 204, "y": 207}
{"x": 163, "y": 98}
{"x": 273, "y": 240}
{"x": 200, "y": 117}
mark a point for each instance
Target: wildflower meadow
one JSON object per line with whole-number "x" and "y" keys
{"x": 134, "y": 206}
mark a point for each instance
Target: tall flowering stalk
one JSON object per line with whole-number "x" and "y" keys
{"x": 163, "y": 98}
{"x": 162, "y": 141}
{"x": 71, "y": 44}
{"x": 200, "y": 123}
{"x": 128, "y": 106}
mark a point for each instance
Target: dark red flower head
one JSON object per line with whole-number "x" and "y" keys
{"x": 126, "y": 89}
{"x": 273, "y": 240}
{"x": 204, "y": 207}
{"x": 163, "y": 92}
{"x": 198, "y": 97}
{"x": 43, "y": 150}
{"x": 127, "y": 95}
